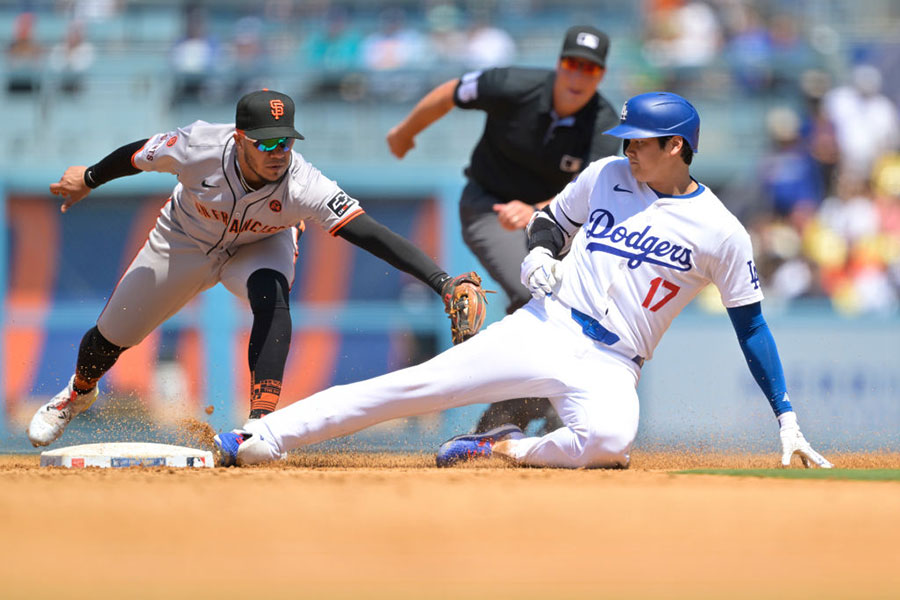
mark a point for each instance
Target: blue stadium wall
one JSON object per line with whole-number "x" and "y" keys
{"x": 356, "y": 317}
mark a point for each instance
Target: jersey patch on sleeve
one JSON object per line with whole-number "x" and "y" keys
{"x": 754, "y": 276}
{"x": 340, "y": 204}
{"x": 468, "y": 87}
{"x": 150, "y": 153}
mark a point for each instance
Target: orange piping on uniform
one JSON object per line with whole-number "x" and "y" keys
{"x": 296, "y": 231}
{"x": 136, "y": 152}
{"x": 349, "y": 218}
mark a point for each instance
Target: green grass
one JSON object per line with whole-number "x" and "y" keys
{"x": 856, "y": 474}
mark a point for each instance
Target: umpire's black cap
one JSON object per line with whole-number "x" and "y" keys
{"x": 589, "y": 43}
{"x": 266, "y": 114}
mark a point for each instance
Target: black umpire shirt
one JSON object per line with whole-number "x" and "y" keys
{"x": 527, "y": 153}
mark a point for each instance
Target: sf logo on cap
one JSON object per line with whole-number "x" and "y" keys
{"x": 277, "y": 107}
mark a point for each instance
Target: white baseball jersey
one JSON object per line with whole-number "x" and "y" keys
{"x": 637, "y": 259}
{"x": 210, "y": 204}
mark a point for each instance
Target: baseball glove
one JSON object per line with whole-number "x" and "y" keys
{"x": 466, "y": 304}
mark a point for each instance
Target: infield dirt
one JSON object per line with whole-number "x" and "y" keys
{"x": 392, "y": 526}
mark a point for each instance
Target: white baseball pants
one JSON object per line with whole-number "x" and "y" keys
{"x": 538, "y": 351}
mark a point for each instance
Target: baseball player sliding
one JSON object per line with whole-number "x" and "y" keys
{"x": 234, "y": 217}
{"x": 645, "y": 238}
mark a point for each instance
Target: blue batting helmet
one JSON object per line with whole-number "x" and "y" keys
{"x": 658, "y": 114}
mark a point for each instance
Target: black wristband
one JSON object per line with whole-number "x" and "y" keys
{"x": 114, "y": 165}
{"x": 438, "y": 282}
{"x": 89, "y": 177}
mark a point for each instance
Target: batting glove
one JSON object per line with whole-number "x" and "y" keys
{"x": 541, "y": 273}
{"x": 793, "y": 442}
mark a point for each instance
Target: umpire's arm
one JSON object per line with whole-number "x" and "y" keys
{"x": 436, "y": 103}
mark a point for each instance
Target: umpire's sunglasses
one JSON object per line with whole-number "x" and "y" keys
{"x": 269, "y": 145}
{"x": 585, "y": 66}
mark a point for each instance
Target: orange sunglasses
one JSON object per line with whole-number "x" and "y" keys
{"x": 585, "y": 66}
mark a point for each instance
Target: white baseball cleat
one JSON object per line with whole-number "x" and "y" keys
{"x": 49, "y": 422}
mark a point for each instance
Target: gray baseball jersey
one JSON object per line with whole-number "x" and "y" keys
{"x": 213, "y": 230}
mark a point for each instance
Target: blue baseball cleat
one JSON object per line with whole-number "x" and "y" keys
{"x": 474, "y": 445}
{"x": 227, "y": 445}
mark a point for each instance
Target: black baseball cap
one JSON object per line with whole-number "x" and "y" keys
{"x": 266, "y": 114}
{"x": 586, "y": 42}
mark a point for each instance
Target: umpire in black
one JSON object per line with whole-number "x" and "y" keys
{"x": 543, "y": 127}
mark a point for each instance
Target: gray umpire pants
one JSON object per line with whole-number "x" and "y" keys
{"x": 501, "y": 253}
{"x": 499, "y": 250}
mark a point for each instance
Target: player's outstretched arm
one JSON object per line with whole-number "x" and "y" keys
{"x": 71, "y": 187}
{"x": 464, "y": 299}
{"x": 77, "y": 182}
{"x": 375, "y": 238}
{"x": 761, "y": 354}
{"x": 434, "y": 105}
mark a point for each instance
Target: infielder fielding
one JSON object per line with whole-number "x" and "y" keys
{"x": 235, "y": 216}
{"x": 542, "y": 127}
{"x": 645, "y": 238}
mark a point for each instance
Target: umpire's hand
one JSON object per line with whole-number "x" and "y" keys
{"x": 71, "y": 187}
{"x": 514, "y": 214}
{"x": 399, "y": 141}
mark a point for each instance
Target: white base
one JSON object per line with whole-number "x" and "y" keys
{"x": 126, "y": 454}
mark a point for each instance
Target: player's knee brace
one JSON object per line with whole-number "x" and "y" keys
{"x": 267, "y": 290}
{"x": 96, "y": 355}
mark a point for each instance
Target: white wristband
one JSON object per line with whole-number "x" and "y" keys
{"x": 788, "y": 419}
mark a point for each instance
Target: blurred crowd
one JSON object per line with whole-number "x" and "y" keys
{"x": 342, "y": 51}
{"x": 824, "y": 208}
{"x": 828, "y": 206}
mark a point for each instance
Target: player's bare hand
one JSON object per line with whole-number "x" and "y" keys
{"x": 793, "y": 442}
{"x": 71, "y": 187}
{"x": 514, "y": 214}
{"x": 399, "y": 142}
